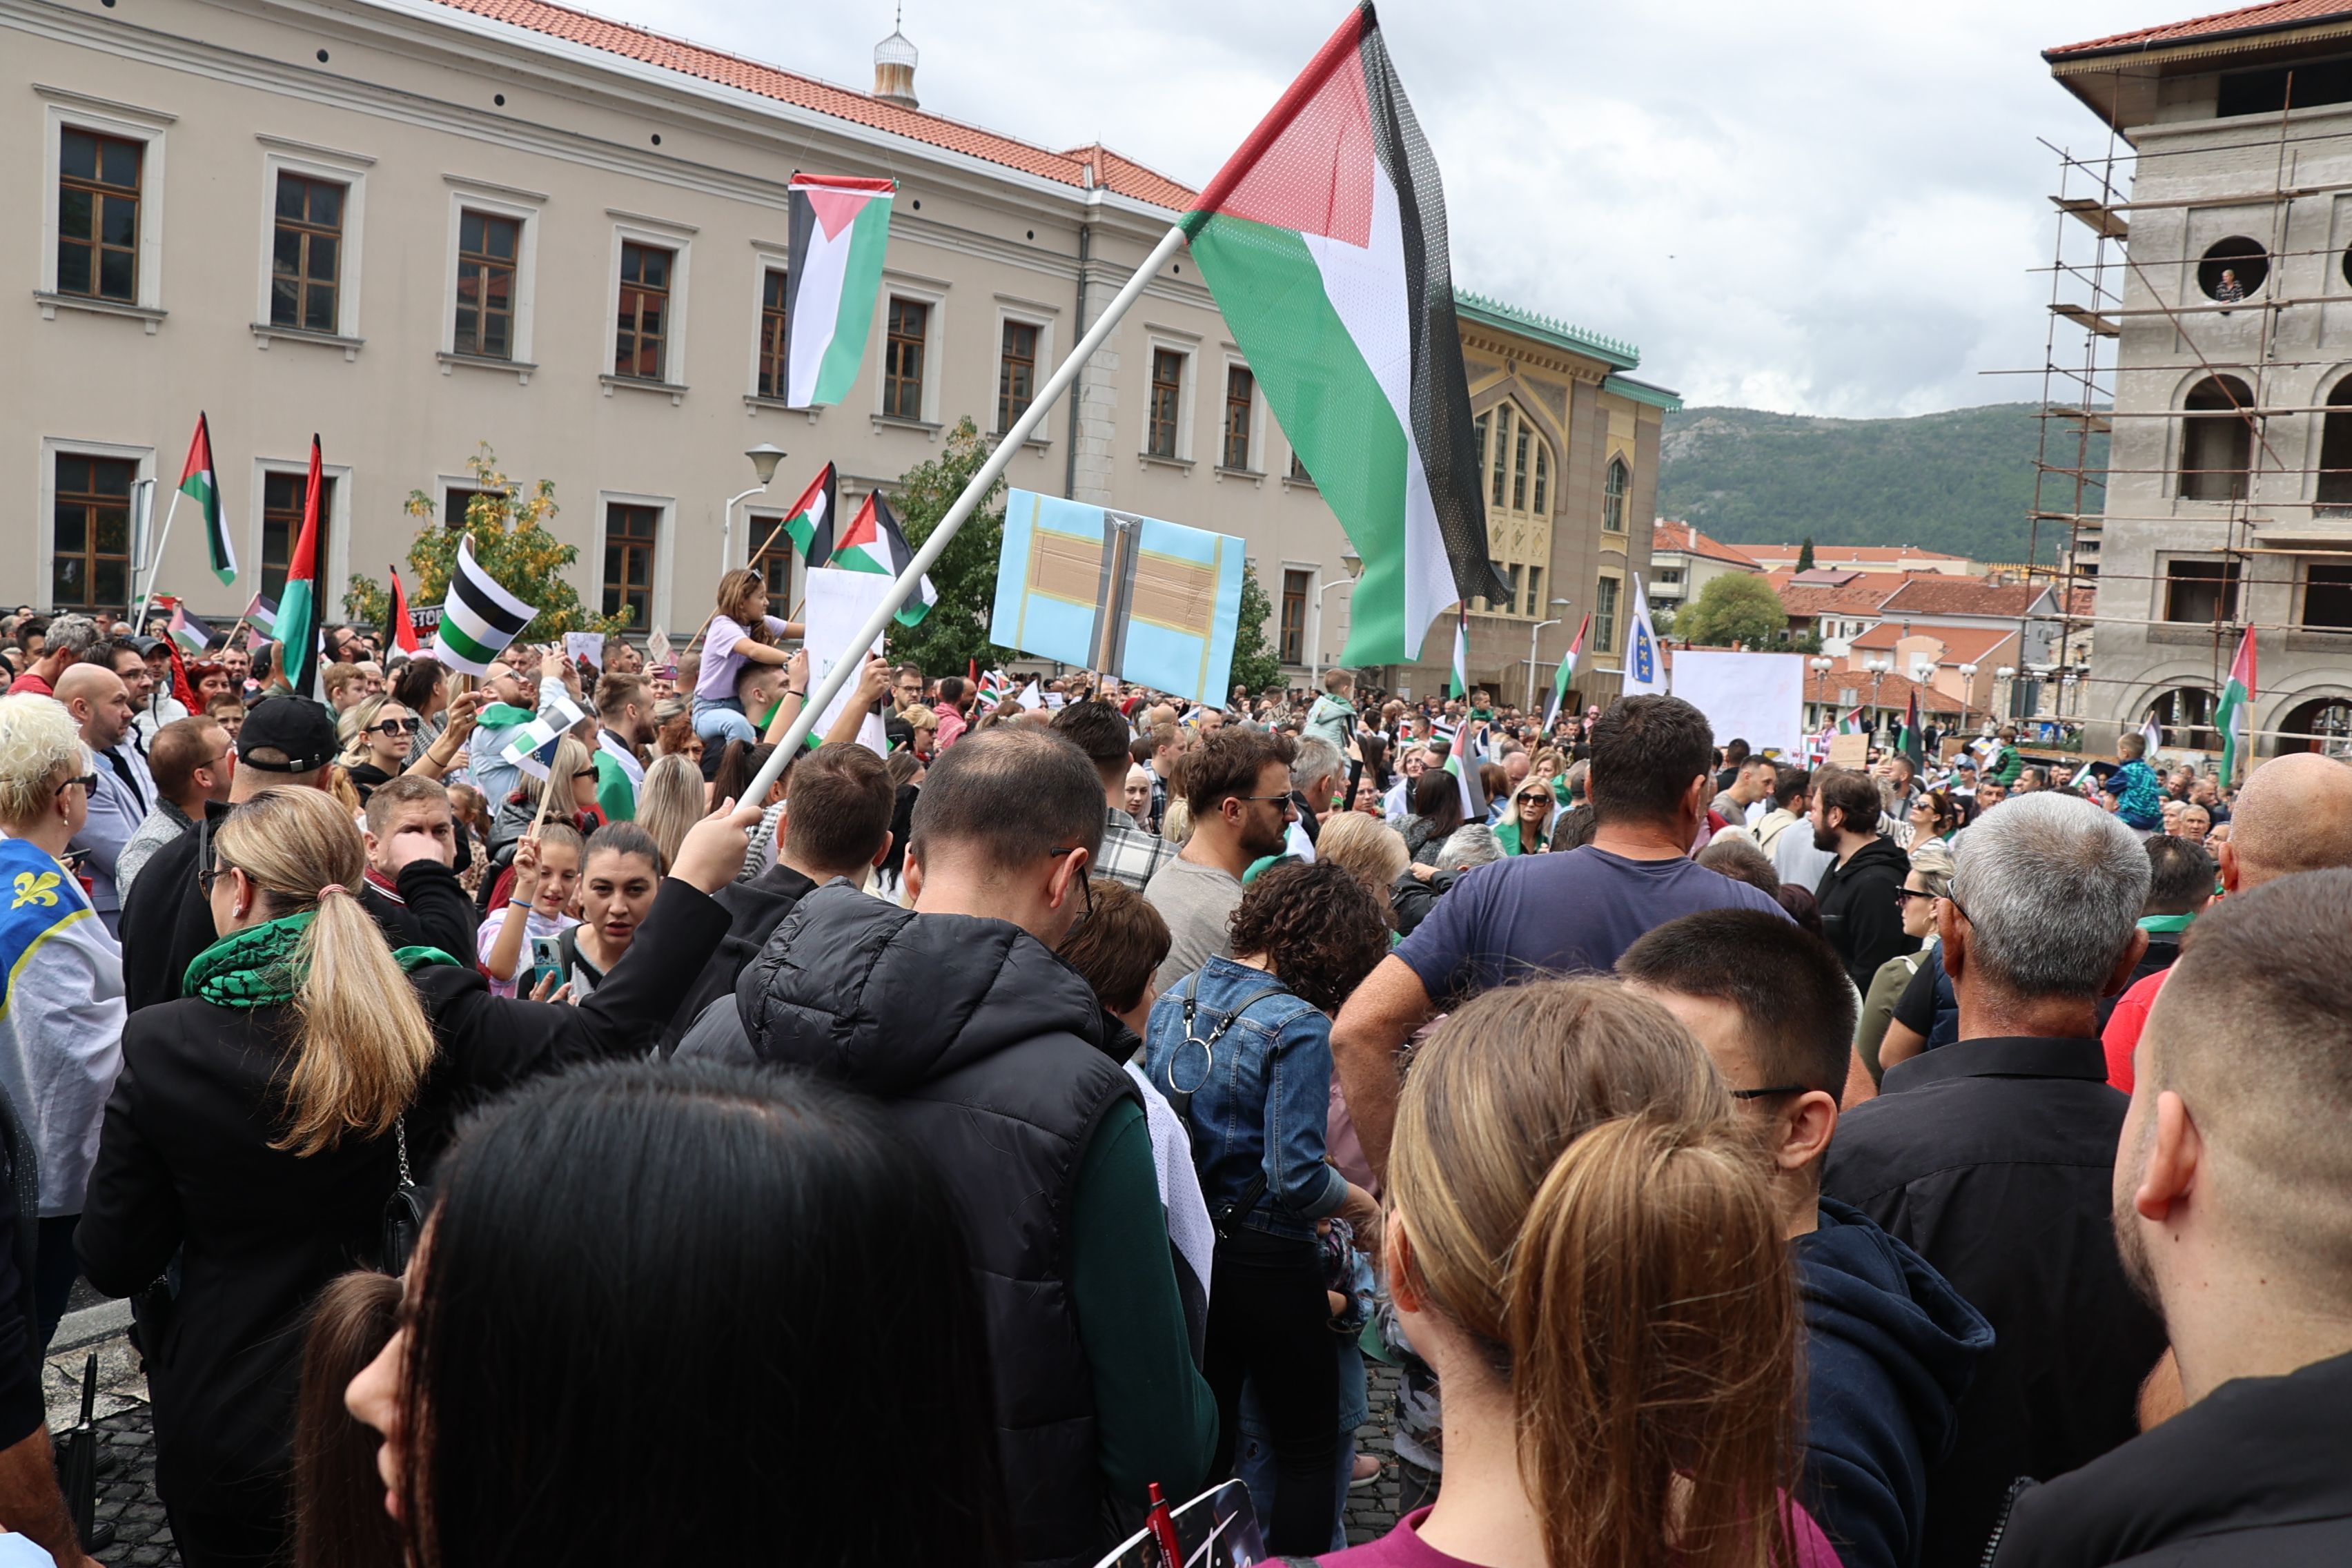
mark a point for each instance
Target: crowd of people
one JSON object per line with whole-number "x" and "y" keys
{"x": 555, "y": 1155}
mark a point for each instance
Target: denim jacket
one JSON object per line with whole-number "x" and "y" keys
{"x": 1264, "y": 1102}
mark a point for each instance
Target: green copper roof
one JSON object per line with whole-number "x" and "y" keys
{"x": 1643, "y": 392}
{"x": 1558, "y": 334}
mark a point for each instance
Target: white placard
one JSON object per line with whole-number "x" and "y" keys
{"x": 839, "y": 603}
{"x": 589, "y": 645}
{"x": 1756, "y": 696}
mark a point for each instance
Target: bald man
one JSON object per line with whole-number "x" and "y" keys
{"x": 2295, "y": 815}
{"x": 125, "y": 792}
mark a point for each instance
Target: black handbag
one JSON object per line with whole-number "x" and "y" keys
{"x": 404, "y": 1212}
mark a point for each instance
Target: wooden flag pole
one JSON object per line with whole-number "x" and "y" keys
{"x": 845, "y": 669}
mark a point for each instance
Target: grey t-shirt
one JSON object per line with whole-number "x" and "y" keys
{"x": 1198, "y": 903}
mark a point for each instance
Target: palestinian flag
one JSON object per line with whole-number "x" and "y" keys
{"x": 479, "y": 618}
{"x": 189, "y": 632}
{"x": 198, "y": 482}
{"x": 1565, "y": 676}
{"x": 875, "y": 542}
{"x": 1851, "y": 723}
{"x": 1911, "y": 741}
{"x": 839, "y": 228}
{"x": 1461, "y": 655}
{"x": 2234, "y": 715}
{"x": 1323, "y": 239}
{"x": 809, "y": 522}
{"x": 399, "y": 631}
{"x": 262, "y": 615}
{"x": 300, "y": 610}
{"x": 994, "y": 688}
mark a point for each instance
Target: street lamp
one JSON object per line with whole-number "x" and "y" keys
{"x": 1820, "y": 667}
{"x": 1532, "y": 632}
{"x": 764, "y": 458}
{"x": 1354, "y": 566}
{"x": 1879, "y": 668}
{"x": 1968, "y": 687}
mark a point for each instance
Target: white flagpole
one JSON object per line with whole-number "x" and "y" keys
{"x": 847, "y": 668}
{"x": 155, "y": 564}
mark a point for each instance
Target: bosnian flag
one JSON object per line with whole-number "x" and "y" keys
{"x": 533, "y": 747}
{"x": 1645, "y": 672}
{"x": 2152, "y": 734}
{"x": 875, "y": 542}
{"x": 839, "y": 228}
{"x": 2234, "y": 715}
{"x": 1566, "y": 678}
{"x": 198, "y": 482}
{"x": 1323, "y": 239}
{"x": 809, "y": 522}
{"x": 479, "y": 618}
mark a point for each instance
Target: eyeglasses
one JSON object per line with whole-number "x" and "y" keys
{"x": 1086, "y": 884}
{"x": 1767, "y": 1093}
{"x": 88, "y": 782}
{"x": 1284, "y": 798}
{"x": 209, "y": 875}
{"x": 395, "y": 727}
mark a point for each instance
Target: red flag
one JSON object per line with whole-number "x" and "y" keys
{"x": 398, "y": 630}
{"x": 972, "y": 673}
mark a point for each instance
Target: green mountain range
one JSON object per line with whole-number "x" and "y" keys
{"x": 1960, "y": 482}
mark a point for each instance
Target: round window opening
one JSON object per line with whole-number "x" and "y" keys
{"x": 2234, "y": 268}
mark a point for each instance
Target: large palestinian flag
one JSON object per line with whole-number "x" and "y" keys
{"x": 2234, "y": 715}
{"x": 479, "y": 618}
{"x": 1323, "y": 239}
{"x": 875, "y": 542}
{"x": 302, "y": 612}
{"x": 198, "y": 481}
{"x": 839, "y": 228}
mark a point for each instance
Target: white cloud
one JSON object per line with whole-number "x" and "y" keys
{"x": 1828, "y": 208}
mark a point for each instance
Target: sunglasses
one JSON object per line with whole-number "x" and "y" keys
{"x": 88, "y": 782}
{"x": 1533, "y": 799}
{"x": 1903, "y": 893}
{"x": 395, "y": 727}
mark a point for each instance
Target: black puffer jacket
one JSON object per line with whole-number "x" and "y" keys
{"x": 986, "y": 1047}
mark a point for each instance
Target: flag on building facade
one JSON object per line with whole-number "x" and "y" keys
{"x": 810, "y": 522}
{"x": 1645, "y": 670}
{"x": 875, "y": 542}
{"x": 839, "y": 230}
{"x": 1565, "y": 677}
{"x": 2234, "y": 715}
{"x": 1462, "y": 655}
{"x": 1323, "y": 239}
{"x": 301, "y": 610}
{"x": 202, "y": 485}
{"x": 399, "y": 631}
{"x": 479, "y": 617}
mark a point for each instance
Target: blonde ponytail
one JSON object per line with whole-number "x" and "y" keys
{"x": 365, "y": 1045}
{"x": 1577, "y": 1199}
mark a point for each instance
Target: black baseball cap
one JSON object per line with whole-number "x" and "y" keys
{"x": 299, "y": 729}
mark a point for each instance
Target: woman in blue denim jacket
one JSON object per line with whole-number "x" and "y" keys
{"x": 1241, "y": 1049}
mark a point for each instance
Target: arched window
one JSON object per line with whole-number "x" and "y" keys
{"x": 2216, "y": 440}
{"x": 2335, "y": 447}
{"x": 1612, "y": 498}
{"x": 2186, "y": 714}
{"x": 1517, "y": 461}
{"x": 2323, "y": 724}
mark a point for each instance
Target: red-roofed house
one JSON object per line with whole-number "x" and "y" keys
{"x": 1863, "y": 558}
{"x": 1683, "y": 561}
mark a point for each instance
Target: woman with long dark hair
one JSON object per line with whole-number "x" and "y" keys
{"x": 262, "y": 1120}
{"x": 602, "y": 1362}
{"x": 1436, "y": 813}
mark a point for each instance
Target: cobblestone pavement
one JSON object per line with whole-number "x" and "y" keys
{"x": 126, "y": 1480}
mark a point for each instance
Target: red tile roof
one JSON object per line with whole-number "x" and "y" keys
{"x": 1827, "y": 556}
{"x": 1681, "y": 538}
{"x": 1861, "y": 596}
{"x": 1083, "y": 167}
{"x": 1962, "y": 645}
{"x": 1893, "y": 691}
{"x": 1926, "y": 593}
{"x": 2245, "y": 19}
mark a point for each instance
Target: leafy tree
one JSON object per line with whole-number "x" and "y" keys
{"x": 1662, "y": 619}
{"x": 1737, "y": 609}
{"x": 512, "y": 544}
{"x": 1805, "y": 554}
{"x": 955, "y": 633}
{"x": 1256, "y": 666}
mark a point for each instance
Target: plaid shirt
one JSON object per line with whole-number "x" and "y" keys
{"x": 1128, "y": 852}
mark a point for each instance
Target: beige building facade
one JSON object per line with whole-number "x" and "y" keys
{"x": 418, "y": 228}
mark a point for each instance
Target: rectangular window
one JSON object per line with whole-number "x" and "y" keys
{"x": 774, "y": 564}
{"x": 902, "y": 360}
{"x": 1167, "y": 403}
{"x": 282, "y": 496}
{"x": 629, "y": 536}
{"x": 1016, "y": 374}
{"x": 98, "y": 215}
{"x": 90, "y": 550}
{"x": 1669, "y": 574}
{"x": 773, "y": 380}
{"x": 1535, "y": 591}
{"x": 1293, "y": 617}
{"x": 2327, "y": 595}
{"x": 306, "y": 257}
{"x": 486, "y": 248}
{"x": 1241, "y": 387}
{"x": 1298, "y": 469}
{"x": 643, "y": 332}
{"x": 456, "y": 504}
{"x": 1604, "y": 616}
{"x": 2202, "y": 592}
{"x": 1512, "y": 571}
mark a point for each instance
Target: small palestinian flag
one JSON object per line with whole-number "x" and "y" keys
{"x": 875, "y": 542}
{"x": 479, "y": 618}
{"x": 1461, "y": 655}
{"x": 399, "y": 631}
{"x": 994, "y": 688}
{"x": 839, "y": 228}
{"x": 809, "y": 522}
{"x": 198, "y": 482}
{"x": 262, "y": 615}
{"x": 188, "y": 631}
{"x": 1565, "y": 676}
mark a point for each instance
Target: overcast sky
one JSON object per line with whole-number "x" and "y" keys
{"x": 1827, "y": 209}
